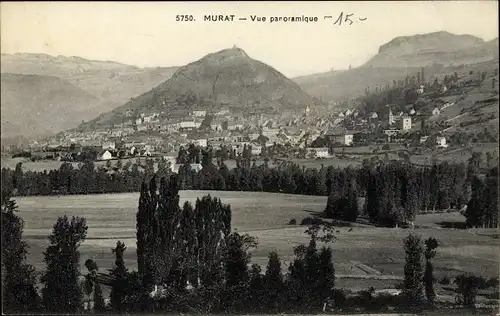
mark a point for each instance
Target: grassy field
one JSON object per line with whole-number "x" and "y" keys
{"x": 363, "y": 256}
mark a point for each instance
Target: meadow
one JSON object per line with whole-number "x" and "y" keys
{"x": 364, "y": 256}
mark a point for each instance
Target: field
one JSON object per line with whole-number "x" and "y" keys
{"x": 364, "y": 256}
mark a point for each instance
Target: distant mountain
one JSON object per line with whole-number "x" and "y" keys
{"x": 440, "y": 47}
{"x": 228, "y": 77}
{"x": 35, "y": 105}
{"x": 110, "y": 83}
{"x": 402, "y": 56}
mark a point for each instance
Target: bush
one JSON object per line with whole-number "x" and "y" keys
{"x": 445, "y": 281}
{"x": 293, "y": 221}
{"x": 468, "y": 285}
{"x": 339, "y": 297}
{"x": 312, "y": 221}
{"x": 492, "y": 282}
{"x": 386, "y": 147}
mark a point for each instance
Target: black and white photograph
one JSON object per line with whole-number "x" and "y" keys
{"x": 250, "y": 158}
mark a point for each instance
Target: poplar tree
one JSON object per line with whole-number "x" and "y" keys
{"x": 413, "y": 285}
{"x": 273, "y": 282}
{"x": 430, "y": 252}
{"x": 119, "y": 284}
{"x": 62, "y": 291}
{"x": 19, "y": 292}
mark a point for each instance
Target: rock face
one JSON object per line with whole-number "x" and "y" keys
{"x": 398, "y": 58}
{"x": 225, "y": 78}
{"x": 439, "y": 47}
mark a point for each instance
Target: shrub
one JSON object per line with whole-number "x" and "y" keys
{"x": 339, "y": 297}
{"x": 386, "y": 147}
{"x": 468, "y": 285}
{"x": 492, "y": 282}
{"x": 445, "y": 281}
{"x": 293, "y": 221}
{"x": 312, "y": 221}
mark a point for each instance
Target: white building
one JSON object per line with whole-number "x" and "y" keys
{"x": 436, "y": 112}
{"x": 202, "y": 142}
{"x": 413, "y": 112}
{"x": 345, "y": 139}
{"x": 106, "y": 155}
{"x": 420, "y": 90}
{"x": 188, "y": 124}
{"x": 256, "y": 150}
{"x": 318, "y": 152}
{"x": 441, "y": 142}
{"x": 404, "y": 123}
{"x": 199, "y": 113}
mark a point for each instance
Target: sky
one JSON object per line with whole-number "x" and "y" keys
{"x": 147, "y": 33}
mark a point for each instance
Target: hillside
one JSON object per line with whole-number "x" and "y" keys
{"x": 34, "y": 105}
{"x": 111, "y": 83}
{"x": 398, "y": 58}
{"x": 228, "y": 77}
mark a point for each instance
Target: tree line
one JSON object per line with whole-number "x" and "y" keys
{"x": 394, "y": 191}
{"x": 190, "y": 261}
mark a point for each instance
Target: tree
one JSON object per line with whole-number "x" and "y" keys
{"x": 274, "y": 285}
{"x": 236, "y": 259}
{"x": 119, "y": 284}
{"x": 92, "y": 287}
{"x": 62, "y": 291}
{"x": 19, "y": 293}
{"x": 430, "y": 252}
{"x": 468, "y": 285}
{"x": 413, "y": 271}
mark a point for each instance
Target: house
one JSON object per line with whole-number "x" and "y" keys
{"x": 138, "y": 121}
{"x": 420, "y": 89}
{"x": 171, "y": 159}
{"x": 341, "y": 136}
{"x": 441, "y": 142}
{"x": 199, "y": 113}
{"x": 307, "y": 111}
{"x": 105, "y": 155}
{"x": 404, "y": 124}
{"x": 436, "y": 112}
{"x": 145, "y": 153}
{"x": 196, "y": 167}
{"x": 322, "y": 152}
{"x": 413, "y": 112}
{"x": 256, "y": 150}
{"x": 202, "y": 142}
{"x": 133, "y": 150}
{"x": 187, "y": 125}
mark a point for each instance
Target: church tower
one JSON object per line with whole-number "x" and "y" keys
{"x": 391, "y": 117}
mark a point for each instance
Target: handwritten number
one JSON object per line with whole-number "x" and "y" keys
{"x": 347, "y": 19}
{"x": 362, "y": 19}
{"x": 339, "y": 20}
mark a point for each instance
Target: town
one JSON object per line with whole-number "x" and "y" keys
{"x": 312, "y": 133}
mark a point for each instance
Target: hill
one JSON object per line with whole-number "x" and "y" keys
{"x": 401, "y": 57}
{"x": 225, "y": 78}
{"x": 111, "y": 83}
{"x": 33, "y": 105}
